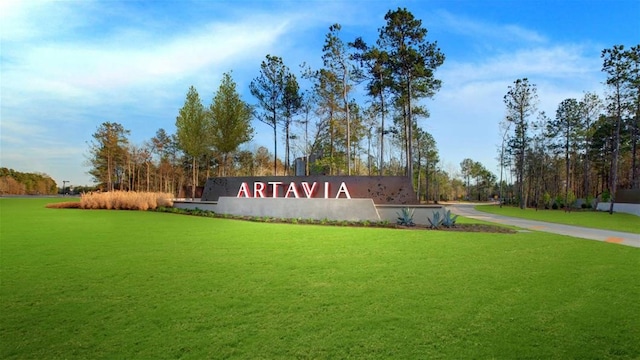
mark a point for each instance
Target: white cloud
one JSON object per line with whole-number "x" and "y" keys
{"x": 15, "y": 135}
{"x": 73, "y": 69}
{"x": 37, "y": 19}
{"x": 470, "y": 104}
{"x": 57, "y": 87}
{"x": 487, "y": 31}
{"x": 564, "y": 62}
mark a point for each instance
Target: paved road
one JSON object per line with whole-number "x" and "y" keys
{"x": 617, "y": 237}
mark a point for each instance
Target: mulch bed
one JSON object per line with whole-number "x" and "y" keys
{"x": 482, "y": 228}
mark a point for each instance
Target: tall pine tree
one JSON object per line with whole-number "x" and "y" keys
{"x": 193, "y": 133}
{"x": 230, "y": 119}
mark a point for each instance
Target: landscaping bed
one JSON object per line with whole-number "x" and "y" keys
{"x": 464, "y": 227}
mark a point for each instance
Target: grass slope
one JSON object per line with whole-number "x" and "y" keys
{"x": 591, "y": 219}
{"x": 118, "y": 284}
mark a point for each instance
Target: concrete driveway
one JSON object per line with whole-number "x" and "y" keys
{"x": 617, "y": 237}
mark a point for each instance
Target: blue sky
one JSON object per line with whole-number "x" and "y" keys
{"x": 68, "y": 66}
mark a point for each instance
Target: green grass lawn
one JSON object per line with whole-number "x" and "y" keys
{"x": 591, "y": 219}
{"x": 90, "y": 284}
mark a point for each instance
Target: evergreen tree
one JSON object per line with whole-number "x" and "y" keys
{"x": 590, "y": 107}
{"x": 521, "y": 103}
{"x": 291, "y": 105}
{"x": 230, "y": 119}
{"x": 618, "y": 67}
{"x": 161, "y": 143}
{"x": 633, "y": 56}
{"x": 413, "y": 61}
{"x": 565, "y": 129}
{"x": 328, "y": 144}
{"x": 269, "y": 88}
{"x": 107, "y": 153}
{"x": 193, "y": 133}
{"x": 378, "y": 72}
{"x": 337, "y": 62}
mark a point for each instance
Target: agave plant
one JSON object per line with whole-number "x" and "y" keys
{"x": 406, "y": 217}
{"x": 448, "y": 220}
{"x": 435, "y": 221}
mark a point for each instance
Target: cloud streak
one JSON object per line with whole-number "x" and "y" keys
{"x": 56, "y": 92}
{"x": 484, "y": 31}
{"x": 560, "y": 61}
{"x": 470, "y": 105}
{"x": 75, "y": 69}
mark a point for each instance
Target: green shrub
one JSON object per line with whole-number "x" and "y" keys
{"x": 448, "y": 220}
{"x": 571, "y": 199}
{"x": 589, "y": 202}
{"x": 546, "y": 198}
{"x": 405, "y": 218}
{"x": 560, "y": 201}
{"x": 435, "y": 221}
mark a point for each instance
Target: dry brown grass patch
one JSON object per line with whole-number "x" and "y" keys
{"x": 125, "y": 200}
{"x": 64, "y": 205}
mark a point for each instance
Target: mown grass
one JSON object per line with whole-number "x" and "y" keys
{"x": 591, "y": 219}
{"x": 123, "y": 284}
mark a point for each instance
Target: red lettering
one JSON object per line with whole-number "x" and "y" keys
{"x": 244, "y": 189}
{"x": 292, "y": 190}
{"x": 274, "y": 187}
{"x": 343, "y": 190}
{"x": 258, "y": 189}
{"x": 308, "y": 191}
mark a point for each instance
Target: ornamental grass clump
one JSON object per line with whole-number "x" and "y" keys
{"x": 64, "y": 205}
{"x": 125, "y": 200}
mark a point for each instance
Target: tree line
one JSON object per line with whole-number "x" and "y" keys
{"x": 330, "y": 127}
{"x": 359, "y": 114}
{"x": 18, "y": 183}
{"x": 588, "y": 149}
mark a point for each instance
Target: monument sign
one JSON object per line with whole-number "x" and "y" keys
{"x": 381, "y": 189}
